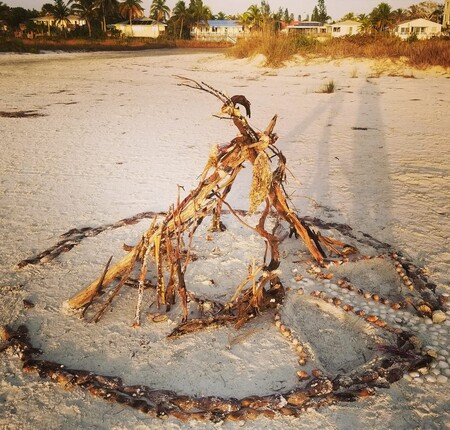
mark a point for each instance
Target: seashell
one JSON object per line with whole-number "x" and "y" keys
{"x": 299, "y": 348}
{"x": 277, "y": 317}
{"x": 278, "y": 323}
{"x": 443, "y": 298}
{"x": 329, "y": 300}
{"x": 298, "y": 278}
{"x": 282, "y": 328}
{"x": 367, "y": 295}
{"x": 430, "y": 378}
{"x": 439, "y": 317}
{"x": 319, "y": 386}
{"x": 302, "y": 375}
{"x": 424, "y": 310}
{"x": 286, "y": 332}
{"x": 315, "y": 293}
{"x": 366, "y": 392}
{"x": 317, "y": 372}
{"x": 337, "y": 301}
{"x": 384, "y": 301}
{"x": 394, "y": 375}
{"x": 301, "y": 361}
{"x": 376, "y": 297}
{"x": 380, "y": 323}
{"x": 159, "y": 318}
{"x": 371, "y": 318}
{"x": 27, "y": 304}
{"x": 295, "y": 341}
{"x": 396, "y": 306}
{"x": 442, "y": 379}
{"x": 360, "y": 291}
{"x": 360, "y": 313}
{"x": 442, "y": 365}
{"x": 347, "y": 308}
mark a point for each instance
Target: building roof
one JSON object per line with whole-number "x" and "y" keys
{"x": 46, "y": 18}
{"x": 348, "y": 22}
{"x": 307, "y": 24}
{"x": 141, "y": 21}
{"x": 223, "y": 23}
{"x": 420, "y": 21}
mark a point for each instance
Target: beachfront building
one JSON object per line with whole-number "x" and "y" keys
{"x": 446, "y": 17}
{"x": 345, "y": 28}
{"x": 141, "y": 27}
{"x": 307, "y": 28}
{"x": 422, "y": 28}
{"x": 217, "y": 30}
{"x": 50, "y": 21}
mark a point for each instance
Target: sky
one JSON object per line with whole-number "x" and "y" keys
{"x": 335, "y": 8}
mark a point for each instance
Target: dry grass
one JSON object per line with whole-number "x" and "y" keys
{"x": 113, "y": 44}
{"x": 328, "y": 88}
{"x": 279, "y": 48}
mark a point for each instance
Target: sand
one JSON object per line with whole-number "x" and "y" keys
{"x": 116, "y": 135}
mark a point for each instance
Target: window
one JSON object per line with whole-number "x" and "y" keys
{"x": 336, "y": 29}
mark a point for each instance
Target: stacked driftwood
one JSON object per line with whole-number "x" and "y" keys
{"x": 167, "y": 241}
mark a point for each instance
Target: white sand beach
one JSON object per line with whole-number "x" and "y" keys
{"x": 114, "y": 136}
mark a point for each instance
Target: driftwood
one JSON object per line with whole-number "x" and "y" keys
{"x": 164, "y": 240}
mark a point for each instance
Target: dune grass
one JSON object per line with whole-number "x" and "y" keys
{"x": 279, "y": 48}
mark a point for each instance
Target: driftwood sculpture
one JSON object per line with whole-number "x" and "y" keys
{"x": 164, "y": 241}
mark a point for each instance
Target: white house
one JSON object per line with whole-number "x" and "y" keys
{"x": 307, "y": 28}
{"x": 345, "y": 28}
{"x": 217, "y": 30}
{"x": 422, "y": 28}
{"x": 141, "y": 27}
{"x": 50, "y": 21}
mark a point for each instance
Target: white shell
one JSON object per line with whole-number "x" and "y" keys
{"x": 443, "y": 365}
{"x": 442, "y": 379}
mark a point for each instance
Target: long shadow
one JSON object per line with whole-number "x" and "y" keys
{"x": 370, "y": 187}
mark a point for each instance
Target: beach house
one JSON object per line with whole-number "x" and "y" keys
{"x": 308, "y": 28}
{"x": 345, "y": 28}
{"x": 422, "y": 28}
{"x": 141, "y": 27}
{"x": 217, "y": 30}
{"x": 50, "y": 21}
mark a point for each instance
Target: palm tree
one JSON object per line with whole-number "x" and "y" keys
{"x": 253, "y": 17}
{"x": 381, "y": 17}
{"x": 87, "y": 10}
{"x": 398, "y": 16}
{"x": 159, "y": 11}
{"x": 221, "y": 16}
{"x": 199, "y": 12}
{"x": 61, "y": 12}
{"x": 438, "y": 14}
{"x": 180, "y": 15}
{"x": 366, "y": 23}
{"x": 131, "y": 9}
{"x": 106, "y": 7}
